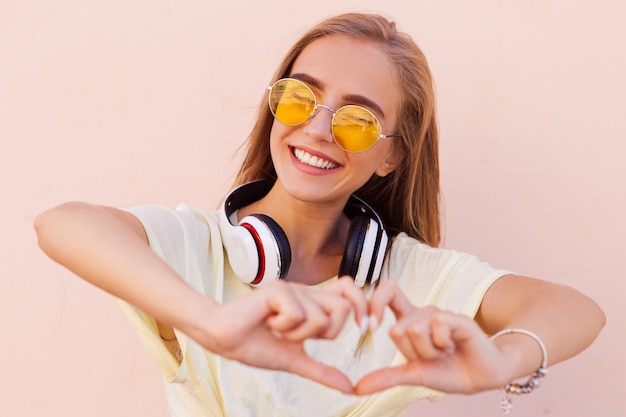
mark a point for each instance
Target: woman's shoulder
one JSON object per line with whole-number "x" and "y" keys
{"x": 408, "y": 245}
{"x": 409, "y": 256}
{"x": 162, "y": 214}
{"x": 409, "y": 249}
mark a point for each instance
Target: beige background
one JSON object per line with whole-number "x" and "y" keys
{"x": 124, "y": 102}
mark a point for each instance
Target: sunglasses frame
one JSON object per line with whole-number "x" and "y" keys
{"x": 318, "y": 105}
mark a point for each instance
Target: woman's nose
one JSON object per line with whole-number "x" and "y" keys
{"x": 319, "y": 125}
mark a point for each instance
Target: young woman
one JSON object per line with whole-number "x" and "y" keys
{"x": 246, "y": 310}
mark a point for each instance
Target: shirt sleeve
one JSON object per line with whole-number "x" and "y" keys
{"x": 445, "y": 278}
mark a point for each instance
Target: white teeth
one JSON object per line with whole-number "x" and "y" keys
{"x": 314, "y": 161}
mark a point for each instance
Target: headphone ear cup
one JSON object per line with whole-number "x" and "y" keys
{"x": 272, "y": 246}
{"x": 364, "y": 251}
{"x": 354, "y": 246}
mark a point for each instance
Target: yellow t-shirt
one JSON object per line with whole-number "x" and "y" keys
{"x": 206, "y": 384}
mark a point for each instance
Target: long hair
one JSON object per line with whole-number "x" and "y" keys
{"x": 408, "y": 198}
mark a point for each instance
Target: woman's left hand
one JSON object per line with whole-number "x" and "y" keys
{"x": 445, "y": 351}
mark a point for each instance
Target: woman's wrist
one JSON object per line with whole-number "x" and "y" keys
{"x": 195, "y": 316}
{"x": 517, "y": 351}
{"x": 522, "y": 352}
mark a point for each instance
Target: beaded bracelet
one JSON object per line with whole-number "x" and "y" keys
{"x": 533, "y": 381}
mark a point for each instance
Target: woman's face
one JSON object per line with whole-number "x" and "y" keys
{"x": 340, "y": 71}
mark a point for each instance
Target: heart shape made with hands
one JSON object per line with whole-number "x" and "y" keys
{"x": 444, "y": 351}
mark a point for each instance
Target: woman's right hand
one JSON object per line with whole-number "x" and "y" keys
{"x": 268, "y": 327}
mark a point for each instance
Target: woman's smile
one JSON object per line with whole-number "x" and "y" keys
{"x": 313, "y": 160}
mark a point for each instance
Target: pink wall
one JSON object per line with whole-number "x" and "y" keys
{"x": 123, "y": 102}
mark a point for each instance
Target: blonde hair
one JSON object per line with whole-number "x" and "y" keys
{"x": 408, "y": 198}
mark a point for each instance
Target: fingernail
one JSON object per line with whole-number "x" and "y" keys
{"x": 365, "y": 325}
{"x": 373, "y": 323}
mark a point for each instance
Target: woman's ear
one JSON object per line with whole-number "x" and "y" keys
{"x": 389, "y": 164}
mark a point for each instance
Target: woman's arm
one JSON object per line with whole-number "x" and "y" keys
{"x": 566, "y": 320}
{"x": 108, "y": 248}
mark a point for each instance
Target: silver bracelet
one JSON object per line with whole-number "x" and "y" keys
{"x": 533, "y": 381}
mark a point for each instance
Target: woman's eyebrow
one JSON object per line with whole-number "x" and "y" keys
{"x": 308, "y": 79}
{"x": 350, "y": 98}
{"x": 365, "y": 102}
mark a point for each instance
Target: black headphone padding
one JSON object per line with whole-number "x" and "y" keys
{"x": 354, "y": 246}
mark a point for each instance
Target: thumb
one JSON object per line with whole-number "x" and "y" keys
{"x": 385, "y": 378}
{"x": 329, "y": 376}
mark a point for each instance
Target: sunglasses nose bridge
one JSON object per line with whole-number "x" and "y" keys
{"x": 325, "y": 107}
{"x": 316, "y": 110}
{"x": 320, "y": 126}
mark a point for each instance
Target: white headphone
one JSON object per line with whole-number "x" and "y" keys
{"x": 259, "y": 252}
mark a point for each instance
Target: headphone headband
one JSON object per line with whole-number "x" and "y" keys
{"x": 246, "y": 194}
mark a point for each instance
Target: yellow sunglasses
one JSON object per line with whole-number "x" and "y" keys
{"x": 354, "y": 128}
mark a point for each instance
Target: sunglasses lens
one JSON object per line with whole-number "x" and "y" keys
{"x": 355, "y": 129}
{"x": 291, "y": 102}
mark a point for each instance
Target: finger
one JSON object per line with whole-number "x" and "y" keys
{"x": 346, "y": 288}
{"x": 441, "y": 334}
{"x": 285, "y": 311}
{"x": 413, "y": 334}
{"x": 325, "y": 311}
{"x": 451, "y": 330}
{"x": 404, "y": 345}
{"x": 316, "y": 318}
{"x": 337, "y": 310}
{"x": 387, "y": 378}
{"x": 327, "y": 375}
{"x": 389, "y": 294}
